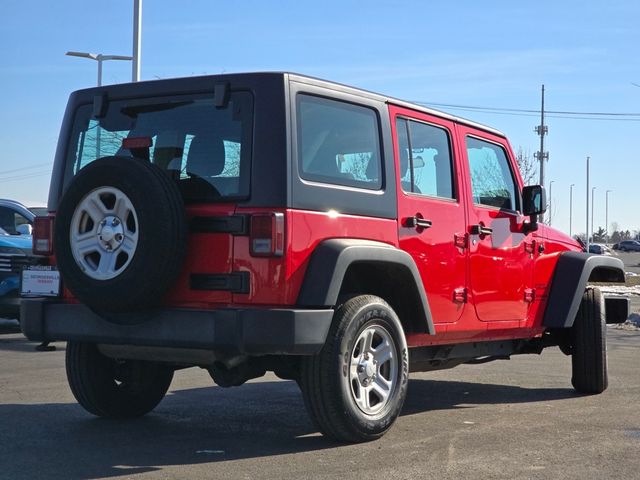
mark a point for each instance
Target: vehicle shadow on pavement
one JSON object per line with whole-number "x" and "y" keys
{"x": 425, "y": 395}
{"x": 201, "y": 425}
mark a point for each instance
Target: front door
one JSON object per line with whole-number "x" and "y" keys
{"x": 500, "y": 250}
{"x": 430, "y": 210}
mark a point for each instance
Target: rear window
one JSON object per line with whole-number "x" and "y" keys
{"x": 206, "y": 149}
{"x": 338, "y": 143}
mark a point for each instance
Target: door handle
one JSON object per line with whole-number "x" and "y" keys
{"x": 480, "y": 229}
{"x": 417, "y": 222}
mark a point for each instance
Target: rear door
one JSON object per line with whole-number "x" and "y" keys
{"x": 500, "y": 251}
{"x": 431, "y": 213}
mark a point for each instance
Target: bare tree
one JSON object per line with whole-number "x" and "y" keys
{"x": 528, "y": 166}
{"x": 599, "y": 236}
{"x": 614, "y": 227}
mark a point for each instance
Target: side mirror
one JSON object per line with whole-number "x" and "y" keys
{"x": 24, "y": 229}
{"x": 534, "y": 200}
{"x": 534, "y": 203}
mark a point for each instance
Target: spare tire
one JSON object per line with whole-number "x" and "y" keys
{"x": 120, "y": 235}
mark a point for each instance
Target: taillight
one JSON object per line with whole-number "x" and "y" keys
{"x": 43, "y": 235}
{"x": 267, "y": 235}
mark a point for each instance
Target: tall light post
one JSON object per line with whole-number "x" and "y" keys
{"x": 571, "y": 208}
{"x": 606, "y": 217}
{"x": 98, "y": 57}
{"x": 550, "y": 198}
{"x": 587, "y": 228}
{"x": 593, "y": 205}
{"x": 137, "y": 40}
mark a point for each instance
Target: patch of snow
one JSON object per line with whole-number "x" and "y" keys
{"x": 632, "y": 323}
{"x": 621, "y": 289}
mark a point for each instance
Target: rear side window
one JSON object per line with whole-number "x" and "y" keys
{"x": 425, "y": 159}
{"x": 206, "y": 149}
{"x": 492, "y": 182}
{"x": 338, "y": 143}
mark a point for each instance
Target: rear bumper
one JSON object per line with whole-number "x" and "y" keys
{"x": 244, "y": 331}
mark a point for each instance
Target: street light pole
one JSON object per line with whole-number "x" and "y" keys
{"x": 137, "y": 40}
{"x": 571, "y": 208}
{"x": 98, "y": 57}
{"x": 606, "y": 216}
{"x": 587, "y": 229}
{"x": 550, "y": 198}
{"x": 593, "y": 205}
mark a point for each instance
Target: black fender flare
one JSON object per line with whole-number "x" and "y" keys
{"x": 572, "y": 272}
{"x": 332, "y": 258}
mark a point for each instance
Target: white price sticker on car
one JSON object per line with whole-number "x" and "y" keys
{"x": 40, "y": 282}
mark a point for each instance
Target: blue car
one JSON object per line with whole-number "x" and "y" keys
{"x": 15, "y": 253}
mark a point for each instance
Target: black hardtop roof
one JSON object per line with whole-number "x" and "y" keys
{"x": 203, "y": 83}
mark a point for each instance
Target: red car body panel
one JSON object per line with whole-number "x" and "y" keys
{"x": 277, "y": 280}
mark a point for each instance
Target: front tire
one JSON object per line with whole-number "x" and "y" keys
{"x": 589, "y": 345}
{"x": 115, "y": 388}
{"x": 355, "y": 387}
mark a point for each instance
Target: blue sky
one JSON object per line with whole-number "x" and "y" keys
{"x": 489, "y": 54}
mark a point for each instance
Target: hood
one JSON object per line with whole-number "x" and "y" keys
{"x": 23, "y": 242}
{"x": 558, "y": 236}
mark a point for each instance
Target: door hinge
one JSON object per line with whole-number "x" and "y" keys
{"x": 460, "y": 240}
{"x": 529, "y": 295}
{"x": 460, "y": 295}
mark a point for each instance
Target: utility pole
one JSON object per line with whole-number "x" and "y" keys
{"x": 137, "y": 40}
{"x": 541, "y": 155}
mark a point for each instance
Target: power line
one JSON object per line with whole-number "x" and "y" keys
{"x": 514, "y": 114}
{"x": 30, "y": 167}
{"x": 537, "y": 112}
{"x": 25, "y": 176}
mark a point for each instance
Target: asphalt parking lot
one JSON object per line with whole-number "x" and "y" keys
{"x": 517, "y": 419}
{"x": 506, "y": 419}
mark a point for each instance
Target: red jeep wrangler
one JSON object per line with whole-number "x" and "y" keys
{"x": 275, "y": 222}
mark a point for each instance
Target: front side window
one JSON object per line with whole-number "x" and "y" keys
{"x": 425, "y": 159}
{"x": 492, "y": 182}
{"x": 338, "y": 143}
{"x": 10, "y": 220}
{"x": 206, "y": 149}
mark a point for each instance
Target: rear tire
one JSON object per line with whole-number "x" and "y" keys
{"x": 589, "y": 345}
{"x": 355, "y": 387}
{"x": 112, "y": 388}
